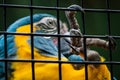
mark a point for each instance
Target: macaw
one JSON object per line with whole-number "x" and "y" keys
{"x": 19, "y": 47}
{"x": 45, "y": 48}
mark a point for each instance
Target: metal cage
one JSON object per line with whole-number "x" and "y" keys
{"x": 30, "y": 7}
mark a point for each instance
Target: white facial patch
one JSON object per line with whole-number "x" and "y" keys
{"x": 47, "y": 25}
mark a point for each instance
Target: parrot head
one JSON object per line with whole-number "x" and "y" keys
{"x": 42, "y": 23}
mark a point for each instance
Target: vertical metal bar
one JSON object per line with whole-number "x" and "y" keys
{"x": 109, "y": 33}
{"x": 84, "y": 42}
{"x": 5, "y": 42}
{"x": 32, "y": 40}
{"x": 59, "y": 52}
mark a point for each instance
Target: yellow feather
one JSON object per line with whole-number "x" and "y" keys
{"x": 49, "y": 71}
{"x": 102, "y": 59}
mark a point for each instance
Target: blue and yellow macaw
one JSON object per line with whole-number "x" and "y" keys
{"x": 45, "y": 48}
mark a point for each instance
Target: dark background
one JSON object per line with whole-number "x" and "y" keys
{"x": 96, "y": 23}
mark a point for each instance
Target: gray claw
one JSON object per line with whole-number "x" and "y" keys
{"x": 75, "y": 32}
{"x": 112, "y": 43}
{"x": 76, "y": 7}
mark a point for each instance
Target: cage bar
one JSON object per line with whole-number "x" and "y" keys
{"x": 57, "y": 9}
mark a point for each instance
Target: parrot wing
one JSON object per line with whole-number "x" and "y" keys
{"x": 11, "y": 53}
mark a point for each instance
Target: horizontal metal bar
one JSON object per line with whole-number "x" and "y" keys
{"x": 56, "y": 8}
{"x": 59, "y": 35}
{"x": 59, "y": 61}
{"x": 101, "y": 10}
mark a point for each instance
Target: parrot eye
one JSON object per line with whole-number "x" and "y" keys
{"x": 50, "y": 22}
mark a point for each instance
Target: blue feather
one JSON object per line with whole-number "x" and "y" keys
{"x": 74, "y": 57}
{"x": 48, "y": 48}
{"x": 65, "y": 48}
{"x": 11, "y": 48}
{"x": 45, "y": 46}
{"x": 26, "y": 20}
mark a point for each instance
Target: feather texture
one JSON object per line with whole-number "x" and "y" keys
{"x": 19, "y": 47}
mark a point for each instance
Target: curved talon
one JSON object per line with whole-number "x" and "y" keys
{"x": 76, "y": 7}
{"x": 112, "y": 43}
